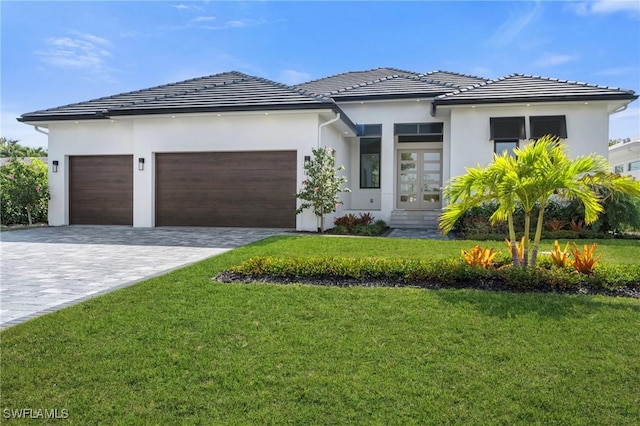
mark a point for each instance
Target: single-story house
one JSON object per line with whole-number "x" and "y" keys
{"x": 624, "y": 157}
{"x": 229, "y": 149}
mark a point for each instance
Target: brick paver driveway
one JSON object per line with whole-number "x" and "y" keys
{"x": 45, "y": 269}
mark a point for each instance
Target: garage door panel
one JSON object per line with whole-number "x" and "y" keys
{"x": 247, "y": 189}
{"x": 101, "y": 190}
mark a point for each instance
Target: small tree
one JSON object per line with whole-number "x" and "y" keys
{"x": 24, "y": 187}
{"x": 322, "y": 185}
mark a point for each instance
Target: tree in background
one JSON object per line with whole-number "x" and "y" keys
{"x": 322, "y": 185}
{"x": 24, "y": 191}
{"x": 12, "y": 148}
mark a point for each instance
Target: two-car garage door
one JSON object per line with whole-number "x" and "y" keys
{"x": 246, "y": 189}
{"x": 243, "y": 189}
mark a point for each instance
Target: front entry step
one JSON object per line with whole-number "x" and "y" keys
{"x": 419, "y": 219}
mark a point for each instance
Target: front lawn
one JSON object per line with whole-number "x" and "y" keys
{"x": 181, "y": 349}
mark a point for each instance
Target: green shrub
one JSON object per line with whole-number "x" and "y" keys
{"x": 363, "y": 225}
{"x": 621, "y": 213}
{"x": 446, "y": 273}
{"x": 24, "y": 192}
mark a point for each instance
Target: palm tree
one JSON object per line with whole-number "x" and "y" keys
{"x": 543, "y": 171}
{"x": 480, "y": 185}
{"x": 539, "y": 171}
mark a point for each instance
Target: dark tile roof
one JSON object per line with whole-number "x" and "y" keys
{"x": 388, "y": 83}
{"x": 528, "y": 88}
{"x": 393, "y": 87}
{"x": 456, "y": 79}
{"x": 235, "y": 91}
{"x": 345, "y": 80}
{"x": 220, "y": 92}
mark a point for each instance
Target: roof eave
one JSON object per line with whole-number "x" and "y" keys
{"x": 26, "y": 118}
{"x": 118, "y": 112}
{"x": 389, "y": 97}
{"x": 453, "y": 101}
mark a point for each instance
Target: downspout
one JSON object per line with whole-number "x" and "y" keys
{"x": 39, "y": 130}
{"x": 333, "y": 120}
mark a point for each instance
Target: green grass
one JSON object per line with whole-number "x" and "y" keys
{"x": 180, "y": 349}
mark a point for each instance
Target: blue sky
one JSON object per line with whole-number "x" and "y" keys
{"x": 55, "y": 53}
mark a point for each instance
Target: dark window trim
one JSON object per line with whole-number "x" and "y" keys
{"x": 367, "y": 130}
{"x": 494, "y": 128}
{"x": 537, "y": 134}
{"x": 418, "y": 128}
{"x": 370, "y": 139}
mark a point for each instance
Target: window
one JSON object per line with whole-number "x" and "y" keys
{"x": 555, "y": 125}
{"x": 370, "y": 162}
{"x": 369, "y": 129}
{"x": 619, "y": 168}
{"x": 502, "y": 146}
{"x": 635, "y": 165}
{"x": 419, "y": 132}
{"x": 507, "y": 128}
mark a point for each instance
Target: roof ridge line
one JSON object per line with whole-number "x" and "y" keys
{"x": 577, "y": 83}
{"x": 366, "y": 83}
{"x": 458, "y": 74}
{"x": 475, "y": 86}
{"x": 132, "y": 92}
{"x": 362, "y": 71}
{"x": 441, "y": 83}
{"x": 293, "y": 89}
{"x": 245, "y": 77}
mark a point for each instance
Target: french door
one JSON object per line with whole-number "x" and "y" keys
{"x": 419, "y": 179}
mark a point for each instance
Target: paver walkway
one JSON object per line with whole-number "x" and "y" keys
{"x": 46, "y": 269}
{"x": 417, "y": 233}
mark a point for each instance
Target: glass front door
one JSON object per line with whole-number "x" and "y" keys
{"x": 420, "y": 179}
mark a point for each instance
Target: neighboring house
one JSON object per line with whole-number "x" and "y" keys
{"x": 624, "y": 157}
{"x": 229, "y": 149}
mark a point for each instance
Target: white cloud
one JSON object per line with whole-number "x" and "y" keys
{"x": 616, "y": 71}
{"x": 204, "y": 19}
{"x": 81, "y": 51}
{"x": 183, "y": 6}
{"x": 514, "y": 25}
{"x": 237, "y": 23}
{"x": 292, "y": 77}
{"x": 551, "y": 60}
{"x": 606, "y": 6}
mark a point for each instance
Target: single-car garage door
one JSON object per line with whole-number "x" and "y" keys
{"x": 101, "y": 190}
{"x": 244, "y": 189}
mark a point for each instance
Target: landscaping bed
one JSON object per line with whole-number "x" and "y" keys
{"x": 610, "y": 280}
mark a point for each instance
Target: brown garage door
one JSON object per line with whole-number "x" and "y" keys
{"x": 245, "y": 189}
{"x": 101, "y": 190}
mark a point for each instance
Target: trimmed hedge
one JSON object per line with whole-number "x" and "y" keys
{"x": 453, "y": 273}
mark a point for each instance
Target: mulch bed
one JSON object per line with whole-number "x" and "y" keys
{"x": 332, "y": 281}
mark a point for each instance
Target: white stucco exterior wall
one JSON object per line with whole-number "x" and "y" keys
{"x": 66, "y": 139}
{"x": 143, "y": 137}
{"x": 587, "y": 130}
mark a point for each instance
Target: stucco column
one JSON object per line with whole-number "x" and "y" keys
{"x": 387, "y": 173}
